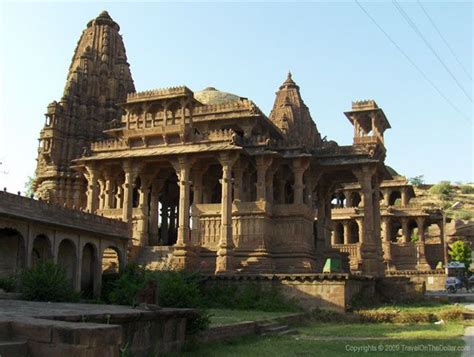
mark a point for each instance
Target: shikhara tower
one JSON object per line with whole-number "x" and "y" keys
{"x": 98, "y": 78}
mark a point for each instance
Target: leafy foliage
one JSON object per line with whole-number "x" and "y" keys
{"x": 443, "y": 189}
{"x": 417, "y": 180}
{"x": 28, "y": 186}
{"x": 47, "y": 281}
{"x": 467, "y": 189}
{"x": 461, "y": 252}
{"x": 8, "y": 283}
{"x": 414, "y": 237}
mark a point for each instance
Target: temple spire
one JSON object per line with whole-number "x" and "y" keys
{"x": 292, "y": 116}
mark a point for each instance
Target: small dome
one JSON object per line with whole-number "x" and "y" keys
{"x": 212, "y": 96}
{"x": 392, "y": 171}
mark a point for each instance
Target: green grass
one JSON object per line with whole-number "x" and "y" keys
{"x": 294, "y": 346}
{"x": 334, "y": 339}
{"x": 420, "y": 307}
{"x": 384, "y": 330}
{"x": 228, "y": 316}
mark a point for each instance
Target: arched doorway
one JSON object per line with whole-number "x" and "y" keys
{"x": 339, "y": 233}
{"x": 12, "y": 252}
{"x": 355, "y": 199}
{"x": 67, "y": 258}
{"x": 353, "y": 232}
{"x": 41, "y": 250}
{"x": 111, "y": 261}
{"x": 88, "y": 270}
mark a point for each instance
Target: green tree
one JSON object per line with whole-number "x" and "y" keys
{"x": 29, "y": 186}
{"x": 443, "y": 189}
{"x": 461, "y": 252}
{"x": 417, "y": 180}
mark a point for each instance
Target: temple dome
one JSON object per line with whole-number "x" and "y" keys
{"x": 392, "y": 171}
{"x": 212, "y": 96}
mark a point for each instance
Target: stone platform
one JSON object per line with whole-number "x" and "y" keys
{"x": 59, "y": 329}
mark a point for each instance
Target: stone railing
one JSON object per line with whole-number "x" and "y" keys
{"x": 115, "y": 213}
{"x": 159, "y": 93}
{"x": 41, "y": 211}
{"x": 108, "y": 145}
{"x": 352, "y": 249}
{"x": 344, "y": 212}
{"x": 367, "y": 140}
{"x": 232, "y": 106}
{"x": 285, "y": 210}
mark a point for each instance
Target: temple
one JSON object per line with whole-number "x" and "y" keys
{"x": 205, "y": 180}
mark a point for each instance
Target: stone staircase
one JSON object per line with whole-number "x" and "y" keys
{"x": 155, "y": 257}
{"x": 269, "y": 328}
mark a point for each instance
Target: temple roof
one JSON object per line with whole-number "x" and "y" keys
{"x": 212, "y": 96}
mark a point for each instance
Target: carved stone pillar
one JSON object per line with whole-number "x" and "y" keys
{"x": 386, "y": 242}
{"x": 347, "y": 195}
{"x": 263, "y": 163}
{"x": 164, "y": 232}
{"x": 238, "y": 180}
{"x": 347, "y": 232}
{"x": 154, "y": 198}
{"x": 405, "y": 230}
{"x": 370, "y": 242}
{"x": 120, "y": 194}
{"x": 93, "y": 189}
{"x": 422, "y": 263}
{"x": 109, "y": 192}
{"x": 405, "y": 197}
{"x": 298, "y": 172}
{"x": 127, "y": 207}
{"x": 183, "y": 253}
{"x": 386, "y": 197}
{"x": 225, "y": 253}
{"x": 101, "y": 193}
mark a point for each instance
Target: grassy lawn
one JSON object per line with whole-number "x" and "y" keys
{"x": 317, "y": 339}
{"x": 228, "y": 316}
{"x": 425, "y": 306}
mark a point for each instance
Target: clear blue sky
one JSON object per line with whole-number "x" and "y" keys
{"x": 336, "y": 55}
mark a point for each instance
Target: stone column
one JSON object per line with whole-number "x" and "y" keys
{"x": 370, "y": 242}
{"x": 225, "y": 253}
{"x": 263, "y": 163}
{"x": 238, "y": 181}
{"x": 143, "y": 208}
{"x": 347, "y": 231}
{"x": 405, "y": 197}
{"x": 164, "y": 223}
{"x": 127, "y": 203}
{"x": 156, "y": 187}
{"x": 405, "y": 230}
{"x": 298, "y": 171}
{"x": 386, "y": 242}
{"x": 347, "y": 195}
{"x": 93, "y": 189}
{"x": 119, "y": 195}
{"x": 109, "y": 191}
{"x": 422, "y": 263}
{"x": 101, "y": 193}
{"x": 386, "y": 197}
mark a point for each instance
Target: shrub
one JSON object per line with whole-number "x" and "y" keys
{"x": 8, "y": 283}
{"x": 124, "y": 289}
{"x": 47, "y": 282}
{"x": 248, "y": 296}
{"x": 464, "y": 215}
{"x": 417, "y": 180}
{"x": 443, "y": 189}
{"x": 452, "y": 314}
{"x": 467, "y": 189}
{"x": 179, "y": 289}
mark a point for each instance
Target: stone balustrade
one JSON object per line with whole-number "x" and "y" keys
{"x": 31, "y": 209}
{"x": 158, "y": 93}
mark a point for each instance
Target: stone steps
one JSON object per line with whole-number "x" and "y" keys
{"x": 274, "y": 328}
{"x": 155, "y": 257}
{"x": 13, "y": 348}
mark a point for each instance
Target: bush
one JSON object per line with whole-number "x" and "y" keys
{"x": 8, "y": 283}
{"x": 248, "y": 296}
{"x": 464, "y": 215}
{"x": 179, "y": 289}
{"x": 467, "y": 189}
{"x": 124, "y": 289}
{"x": 443, "y": 189}
{"x": 47, "y": 282}
{"x": 452, "y": 314}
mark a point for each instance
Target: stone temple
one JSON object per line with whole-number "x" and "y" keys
{"x": 204, "y": 180}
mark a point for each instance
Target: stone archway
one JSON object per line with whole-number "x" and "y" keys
{"x": 12, "y": 252}
{"x": 353, "y": 232}
{"x": 355, "y": 199}
{"x": 42, "y": 249}
{"x": 89, "y": 261}
{"x": 394, "y": 197}
{"x": 112, "y": 261}
{"x": 67, "y": 258}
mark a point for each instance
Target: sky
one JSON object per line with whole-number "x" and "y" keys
{"x": 334, "y": 51}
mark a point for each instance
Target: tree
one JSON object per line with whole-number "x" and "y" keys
{"x": 29, "y": 186}
{"x": 443, "y": 189}
{"x": 417, "y": 180}
{"x": 461, "y": 252}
